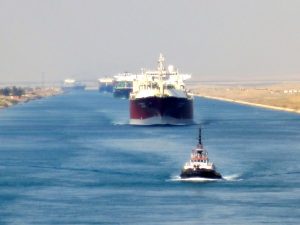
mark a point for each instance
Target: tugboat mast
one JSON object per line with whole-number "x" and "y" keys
{"x": 199, "y": 139}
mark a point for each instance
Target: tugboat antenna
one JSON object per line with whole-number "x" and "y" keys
{"x": 199, "y": 140}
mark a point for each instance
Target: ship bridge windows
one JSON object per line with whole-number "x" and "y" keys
{"x": 148, "y": 86}
{"x": 169, "y": 86}
{"x": 155, "y": 86}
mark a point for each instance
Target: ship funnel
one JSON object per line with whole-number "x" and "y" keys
{"x": 200, "y": 140}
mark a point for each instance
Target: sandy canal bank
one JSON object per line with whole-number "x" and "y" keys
{"x": 283, "y": 96}
{"x": 250, "y": 103}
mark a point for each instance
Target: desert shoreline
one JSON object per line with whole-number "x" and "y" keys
{"x": 249, "y": 103}
{"x": 38, "y": 93}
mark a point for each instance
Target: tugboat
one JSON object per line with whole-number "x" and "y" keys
{"x": 199, "y": 165}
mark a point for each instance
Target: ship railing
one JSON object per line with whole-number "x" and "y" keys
{"x": 199, "y": 158}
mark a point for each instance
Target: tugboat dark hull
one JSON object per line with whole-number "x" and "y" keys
{"x": 200, "y": 173}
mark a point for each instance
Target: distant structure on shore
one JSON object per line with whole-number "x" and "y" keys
{"x": 72, "y": 84}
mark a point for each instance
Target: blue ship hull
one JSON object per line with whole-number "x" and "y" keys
{"x": 106, "y": 88}
{"x": 122, "y": 92}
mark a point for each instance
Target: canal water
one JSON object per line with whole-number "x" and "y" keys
{"x": 73, "y": 159}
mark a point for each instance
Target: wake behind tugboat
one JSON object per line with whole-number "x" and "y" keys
{"x": 199, "y": 166}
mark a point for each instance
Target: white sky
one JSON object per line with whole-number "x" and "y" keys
{"x": 87, "y": 39}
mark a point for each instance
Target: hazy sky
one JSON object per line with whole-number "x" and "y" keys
{"x": 212, "y": 39}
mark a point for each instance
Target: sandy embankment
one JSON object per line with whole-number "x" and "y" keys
{"x": 250, "y": 103}
{"x": 29, "y": 95}
{"x": 281, "y": 96}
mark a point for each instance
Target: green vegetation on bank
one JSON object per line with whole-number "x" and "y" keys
{"x": 12, "y": 91}
{"x": 14, "y": 95}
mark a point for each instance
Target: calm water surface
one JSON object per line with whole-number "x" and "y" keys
{"x": 73, "y": 159}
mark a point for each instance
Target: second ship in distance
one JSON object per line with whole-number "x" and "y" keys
{"x": 120, "y": 85}
{"x": 123, "y": 85}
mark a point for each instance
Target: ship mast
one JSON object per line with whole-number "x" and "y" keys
{"x": 161, "y": 69}
{"x": 161, "y": 66}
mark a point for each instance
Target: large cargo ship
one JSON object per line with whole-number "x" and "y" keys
{"x": 160, "y": 97}
{"x": 106, "y": 84}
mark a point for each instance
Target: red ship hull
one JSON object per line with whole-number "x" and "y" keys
{"x": 161, "y": 110}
